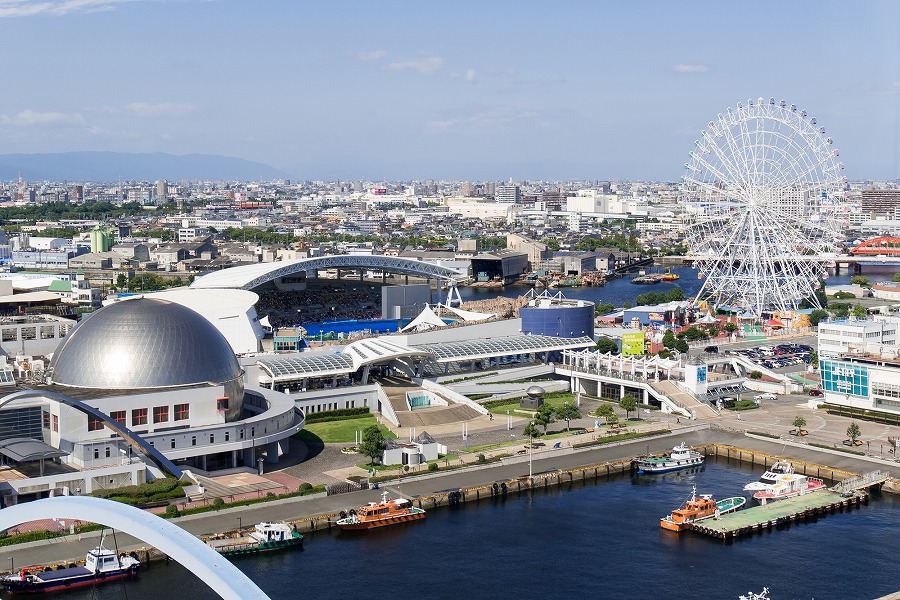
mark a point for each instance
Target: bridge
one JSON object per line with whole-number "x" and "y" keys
{"x": 861, "y": 482}
{"x": 885, "y": 246}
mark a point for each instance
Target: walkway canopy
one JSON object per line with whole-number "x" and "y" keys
{"x": 28, "y": 450}
{"x": 449, "y": 352}
{"x": 247, "y": 277}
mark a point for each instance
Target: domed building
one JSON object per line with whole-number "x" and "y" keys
{"x": 145, "y": 344}
{"x": 168, "y": 375}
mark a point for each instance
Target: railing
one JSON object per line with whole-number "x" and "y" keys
{"x": 861, "y": 481}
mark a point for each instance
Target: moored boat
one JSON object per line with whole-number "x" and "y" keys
{"x": 681, "y": 457}
{"x": 100, "y": 565}
{"x": 670, "y": 276}
{"x": 788, "y": 485}
{"x": 264, "y": 538}
{"x": 381, "y": 514}
{"x": 768, "y": 478}
{"x": 697, "y": 508}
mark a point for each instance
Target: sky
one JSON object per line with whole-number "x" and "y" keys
{"x": 462, "y": 90}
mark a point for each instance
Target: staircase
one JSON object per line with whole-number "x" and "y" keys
{"x": 396, "y": 391}
{"x": 684, "y": 399}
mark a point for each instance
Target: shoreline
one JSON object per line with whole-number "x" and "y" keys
{"x": 315, "y": 513}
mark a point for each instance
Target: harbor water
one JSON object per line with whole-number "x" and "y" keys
{"x": 600, "y": 540}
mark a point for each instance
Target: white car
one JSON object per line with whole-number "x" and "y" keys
{"x": 765, "y": 397}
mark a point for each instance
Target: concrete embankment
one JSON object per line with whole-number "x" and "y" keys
{"x": 431, "y": 491}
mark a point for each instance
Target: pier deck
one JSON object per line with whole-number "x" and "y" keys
{"x": 759, "y": 518}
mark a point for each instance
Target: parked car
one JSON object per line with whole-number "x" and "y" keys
{"x": 816, "y": 392}
{"x": 766, "y": 396}
{"x": 712, "y": 349}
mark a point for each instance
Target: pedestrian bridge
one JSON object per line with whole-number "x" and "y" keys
{"x": 861, "y": 481}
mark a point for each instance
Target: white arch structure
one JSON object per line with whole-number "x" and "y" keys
{"x": 247, "y": 277}
{"x": 211, "y": 567}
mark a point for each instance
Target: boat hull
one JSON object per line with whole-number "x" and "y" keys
{"x": 647, "y": 467}
{"x": 65, "y": 579}
{"x": 257, "y": 547}
{"x": 352, "y": 524}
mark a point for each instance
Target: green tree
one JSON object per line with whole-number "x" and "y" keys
{"x": 552, "y": 244}
{"x": 814, "y": 359}
{"x": 859, "y": 311}
{"x": 799, "y": 422}
{"x": 606, "y": 411}
{"x": 816, "y": 316}
{"x": 675, "y": 294}
{"x": 860, "y": 280}
{"x": 567, "y": 412}
{"x": 373, "y": 442}
{"x": 712, "y": 330}
{"x": 531, "y": 430}
{"x": 853, "y": 432}
{"x": 604, "y": 345}
{"x": 682, "y": 346}
{"x": 755, "y": 374}
{"x": 668, "y": 339}
{"x": 121, "y": 282}
{"x": 730, "y": 327}
{"x": 147, "y": 282}
{"x": 628, "y": 404}
{"x": 603, "y": 309}
{"x": 544, "y": 416}
{"x": 896, "y": 278}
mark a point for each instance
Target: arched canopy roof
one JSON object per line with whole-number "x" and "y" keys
{"x": 215, "y": 570}
{"x": 247, "y": 277}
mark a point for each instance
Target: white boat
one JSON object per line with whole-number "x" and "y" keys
{"x": 681, "y": 457}
{"x": 767, "y": 479}
{"x": 788, "y": 485}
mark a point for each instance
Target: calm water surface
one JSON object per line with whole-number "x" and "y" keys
{"x": 599, "y": 540}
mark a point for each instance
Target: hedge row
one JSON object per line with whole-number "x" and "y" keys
{"x": 154, "y": 491}
{"x": 340, "y": 414}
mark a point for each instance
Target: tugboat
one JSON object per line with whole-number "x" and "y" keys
{"x": 263, "y": 538}
{"x": 681, "y": 457}
{"x": 380, "y": 514}
{"x": 100, "y": 565}
{"x": 699, "y": 508}
{"x": 670, "y": 276}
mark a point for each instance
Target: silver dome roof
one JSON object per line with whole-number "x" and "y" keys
{"x": 143, "y": 343}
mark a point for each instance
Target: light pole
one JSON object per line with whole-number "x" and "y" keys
{"x": 530, "y": 449}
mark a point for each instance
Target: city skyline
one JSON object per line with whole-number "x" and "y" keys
{"x": 463, "y": 91}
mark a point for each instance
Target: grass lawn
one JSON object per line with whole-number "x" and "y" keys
{"x": 339, "y": 431}
{"x": 513, "y": 405}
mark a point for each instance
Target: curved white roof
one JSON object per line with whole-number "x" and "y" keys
{"x": 249, "y": 276}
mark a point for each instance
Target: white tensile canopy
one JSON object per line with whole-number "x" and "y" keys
{"x": 425, "y": 321}
{"x": 467, "y": 315}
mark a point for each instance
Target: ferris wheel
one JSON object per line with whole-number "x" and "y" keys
{"x": 763, "y": 205}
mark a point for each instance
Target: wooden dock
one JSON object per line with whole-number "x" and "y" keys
{"x": 774, "y": 514}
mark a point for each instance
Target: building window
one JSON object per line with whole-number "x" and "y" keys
{"x": 96, "y": 453}
{"x": 212, "y": 438}
{"x": 138, "y": 416}
{"x": 182, "y": 412}
{"x": 107, "y": 452}
{"x": 222, "y": 403}
{"x": 160, "y": 414}
{"x": 173, "y": 443}
{"x": 46, "y": 419}
{"x": 94, "y": 424}
{"x": 56, "y": 423}
{"x": 193, "y": 440}
{"x": 118, "y": 416}
{"x": 227, "y": 435}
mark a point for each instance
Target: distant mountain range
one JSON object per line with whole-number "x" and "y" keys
{"x": 112, "y": 166}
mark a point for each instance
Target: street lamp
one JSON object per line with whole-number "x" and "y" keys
{"x": 530, "y": 450}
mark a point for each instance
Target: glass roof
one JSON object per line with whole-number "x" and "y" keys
{"x": 307, "y": 366}
{"x": 473, "y": 349}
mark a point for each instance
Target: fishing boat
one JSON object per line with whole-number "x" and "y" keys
{"x": 788, "y": 485}
{"x": 380, "y": 514}
{"x": 264, "y": 538}
{"x": 767, "y": 479}
{"x": 681, "y": 457}
{"x": 697, "y": 508}
{"x": 100, "y": 565}
{"x": 649, "y": 279}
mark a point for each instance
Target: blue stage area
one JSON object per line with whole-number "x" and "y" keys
{"x": 351, "y": 326}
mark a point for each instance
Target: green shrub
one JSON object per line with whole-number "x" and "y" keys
{"x": 434, "y": 466}
{"x": 172, "y": 511}
{"x": 755, "y": 374}
{"x": 340, "y": 414}
{"x": 305, "y": 486}
{"x": 481, "y": 458}
{"x": 218, "y": 503}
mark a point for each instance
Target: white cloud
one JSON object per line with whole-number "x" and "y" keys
{"x": 470, "y": 75}
{"x": 373, "y": 55}
{"x": 486, "y": 117}
{"x": 425, "y": 65}
{"x": 143, "y": 109}
{"x": 29, "y": 8}
{"x": 30, "y": 117}
{"x": 691, "y": 68}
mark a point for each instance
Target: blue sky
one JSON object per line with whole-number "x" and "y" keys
{"x": 452, "y": 90}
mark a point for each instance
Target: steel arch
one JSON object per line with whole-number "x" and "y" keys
{"x": 211, "y": 567}
{"x": 884, "y": 245}
{"x": 133, "y": 440}
{"x": 247, "y": 277}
